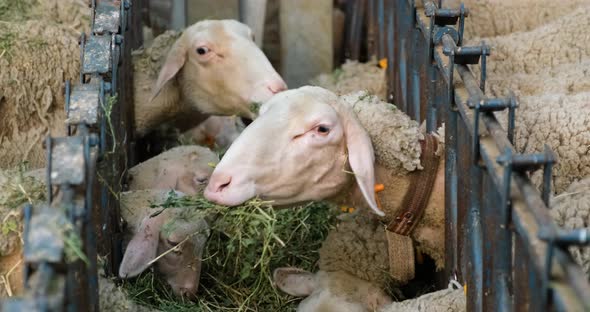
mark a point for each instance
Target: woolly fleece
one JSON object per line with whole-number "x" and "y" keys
{"x": 395, "y": 136}
{"x": 37, "y": 58}
{"x": 446, "y": 300}
{"x": 571, "y": 210}
{"x": 488, "y": 18}
{"x": 354, "y": 76}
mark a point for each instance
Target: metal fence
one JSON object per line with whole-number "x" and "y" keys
{"x": 85, "y": 171}
{"x": 500, "y": 239}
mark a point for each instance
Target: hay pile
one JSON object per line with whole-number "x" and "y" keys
{"x": 246, "y": 244}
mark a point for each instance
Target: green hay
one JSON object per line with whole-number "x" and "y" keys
{"x": 255, "y": 107}
{"x": 108, "y": 110}
{"x": 247, "y": 243}
{"x": 20, "y": 189}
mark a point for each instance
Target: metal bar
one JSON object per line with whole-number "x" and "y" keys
{"x": 475, "y": 271}
{"x": 451, "y": 211}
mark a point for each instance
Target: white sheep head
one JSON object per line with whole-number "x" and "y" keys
{"x": 302, "y": 147}
{"x": 219, "y": 68}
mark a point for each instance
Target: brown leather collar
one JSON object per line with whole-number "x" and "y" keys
{"x": 418, "y": 194}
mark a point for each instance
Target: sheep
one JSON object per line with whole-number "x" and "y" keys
{"x": 489, "y": 18}
{"x": 315, "y": 137}
{"x": 556, "y": 43}
{"x": 354, "y": 76}
{"x": 564, "y": 79}
{"x": 212, "y": 67}
{"x": 29, "y": 97}
{"x": 330, "y": 291}
{"x": 184, "y": 169}
{"x": 338, "y": 291}
{"x": 552, "y": 86}
{"x": 36, "y": 57}
{"x": 177, "y": 238}
{"x": 571, "y": 210}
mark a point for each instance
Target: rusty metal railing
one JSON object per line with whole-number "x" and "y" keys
{"x": 500, "y": 239}
{"x": 64, "y": 237}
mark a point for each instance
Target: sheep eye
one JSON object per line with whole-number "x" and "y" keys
{"x": 171, "y": 243}
{"x": 323, "y": 129}
{"x": 202, "y": 50}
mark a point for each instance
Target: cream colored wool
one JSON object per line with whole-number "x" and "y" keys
{"x": 489, "y": 18}
{"x": 72, "y": 14}
{"x": 354, "y": 76}
{"x": 548, "y": 46}
{"x": 394, "y": 135}
{"x": 139, "y": 198}
{"x": 562, "y": 122}
{"x": 113, "y": 298}
{"x": 446, "y": 300}
{"x": 148, "y": 61}
{"x": 36, "y": 59}
{"x": 357, "y": 247}
{"x": 571, "y": 210}
{"x": 564, "y": 79}
{"x": 547, "y": 68}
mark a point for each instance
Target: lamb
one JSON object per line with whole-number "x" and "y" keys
{"x": 177, "y": 238}
{"x": 316, "y": 136}
{"x": 489, "y": 18}
{"x": 571, "y": 210}
{"x": 184, "y": 169}
{"x": 337, "y": 291}
{"x": 212, "y": 67}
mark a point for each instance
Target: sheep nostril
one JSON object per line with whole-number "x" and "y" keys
{"x": 223, "y": 186}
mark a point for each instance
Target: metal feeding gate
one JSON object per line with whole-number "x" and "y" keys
{"x": 501, "y": 242}
{"x": 64, "y": 236}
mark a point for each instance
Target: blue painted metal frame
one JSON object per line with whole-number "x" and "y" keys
{"x": 501, "y": 241}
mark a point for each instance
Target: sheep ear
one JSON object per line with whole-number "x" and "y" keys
{"x": 294, "y": 281}
{"x": 360, "y": 156}
{"x": 142, "y": 248}
{"x": 174, "y": 62}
